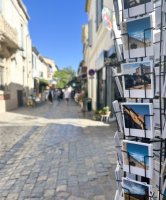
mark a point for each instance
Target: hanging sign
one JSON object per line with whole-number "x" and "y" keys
{"x": 106, "y": 17}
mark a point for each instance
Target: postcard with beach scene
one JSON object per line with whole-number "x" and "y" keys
{"x": 137, "y": 37}
{"x": 133, "y": 8}
{"x": 137, "y": 79}
{"x": 137, "y": 158}
{"x": 138, "y": 119}
{"x": 135, "y": 190}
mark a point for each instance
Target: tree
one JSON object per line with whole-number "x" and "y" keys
{"x": 64, "y": 76}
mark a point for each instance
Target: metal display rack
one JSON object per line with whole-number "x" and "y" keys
{"x": 159, "y": 154}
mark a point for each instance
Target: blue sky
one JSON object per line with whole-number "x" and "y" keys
{"x": 136, "y": 28}
{"x": 55, "y": 29}
{"x": 138, "y": 152}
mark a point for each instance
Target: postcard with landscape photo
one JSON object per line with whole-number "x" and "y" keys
{"x": 137, "y": 158}
{"x": 137, "y": 37}
{"x": 133, "y": 8}
{"x": 135, "y": 190}
{"x": 138, "y": 119}
{"x": 138, "y": 79}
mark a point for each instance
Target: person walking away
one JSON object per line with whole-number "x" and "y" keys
{"x": 66, "y": 95}
{"x": 61, "y": 94}
{"x": 50, "y": 96}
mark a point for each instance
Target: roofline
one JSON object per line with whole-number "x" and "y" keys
{"x": 87, "y": 6}
{"x": 21, "y": 4}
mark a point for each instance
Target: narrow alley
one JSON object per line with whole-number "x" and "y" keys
{"x": 55, "y": 152}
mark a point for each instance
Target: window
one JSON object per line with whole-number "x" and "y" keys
{"x": 21, "y": 36}
{"x": 99, "y": 7}
{"x": 1, "y": 6}
{"x": 90, "y": 33}
{"x": 1, "y": 78}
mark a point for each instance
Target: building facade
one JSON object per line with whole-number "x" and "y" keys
{"x": 99, "y": 47}
{"x": 15, "y": 55}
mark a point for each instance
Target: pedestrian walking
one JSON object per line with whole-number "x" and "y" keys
{"x": 50, "y": 96}
{"x": 66, "y": 95}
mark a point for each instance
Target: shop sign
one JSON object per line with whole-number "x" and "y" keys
{"x": 106, "y": 17}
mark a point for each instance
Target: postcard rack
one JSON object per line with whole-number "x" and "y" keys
{"x": 148, "y": 79}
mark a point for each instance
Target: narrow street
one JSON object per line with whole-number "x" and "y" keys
{"x": 55, "y": 152}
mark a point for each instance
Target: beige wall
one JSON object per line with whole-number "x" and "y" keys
{"x": 101, "y": 41}
{"x": 17, "y": 66}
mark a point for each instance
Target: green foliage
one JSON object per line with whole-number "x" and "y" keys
{"x": 64, "y": 76}
{"x": 105, "y": 109}
{"x": 98, "y": 113}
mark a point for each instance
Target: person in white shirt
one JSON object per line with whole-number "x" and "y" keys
{"x": 66, "y": 95}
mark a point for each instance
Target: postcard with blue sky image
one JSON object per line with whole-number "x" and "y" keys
{"x": 134, "y": 8}
{"x": 137, "y": 37}
{"x": 137, "y": 158}
{"x": 138, "y": 119}
{"x": 137, "y": 79}
{"x": 135, "y": 190}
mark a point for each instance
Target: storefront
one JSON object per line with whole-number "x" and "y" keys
{"x": 106, "y": 89}
{"x": 101, "y": 81}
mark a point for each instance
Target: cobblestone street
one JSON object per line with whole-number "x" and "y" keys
{"x": 55, "y": 152}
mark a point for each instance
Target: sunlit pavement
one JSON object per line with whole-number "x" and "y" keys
{"x": 56, "y": 152}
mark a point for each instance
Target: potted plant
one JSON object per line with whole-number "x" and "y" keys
{"x": 97, "y": 115}
{"x": 106, "y": 110}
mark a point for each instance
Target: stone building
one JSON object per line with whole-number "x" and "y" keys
{"x": 99, "y": 47}
{"x": 15, "y": 55}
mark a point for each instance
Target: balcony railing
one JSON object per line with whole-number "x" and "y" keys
{"x": 8, "y": 35}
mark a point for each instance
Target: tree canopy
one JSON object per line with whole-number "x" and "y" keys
{"x": 64, "y": 76}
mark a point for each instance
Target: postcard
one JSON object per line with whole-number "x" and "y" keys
{"x": 137, "y": 37}
{"x": 118, "y": 147}
{"x": 136, "y": 190}
{"x": 138, "y": 119}
{"x": 119, "y": 86}
{"x": 135, "y": 8}
{"x": 137, "y": 158}
{"x": 118, "y": 115}
{"x": 137, "y": 79}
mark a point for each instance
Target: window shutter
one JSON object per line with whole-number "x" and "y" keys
{"x": 97, "y": 23}
{"x": 90, "y": 33}
{"x": 99, "y": 7}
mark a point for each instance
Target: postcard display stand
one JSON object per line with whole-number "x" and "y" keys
{"x": 141, "y": 118}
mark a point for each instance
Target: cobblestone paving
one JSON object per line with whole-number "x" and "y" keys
{"x": 56, "y": 153}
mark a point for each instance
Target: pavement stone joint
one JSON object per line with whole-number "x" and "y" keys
{"x": 56, "y": 152}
